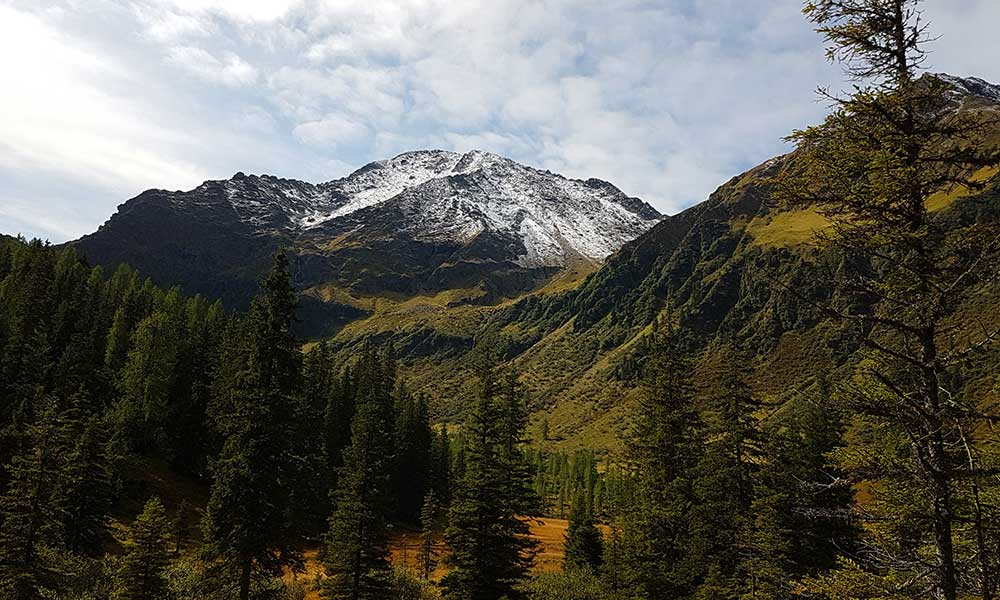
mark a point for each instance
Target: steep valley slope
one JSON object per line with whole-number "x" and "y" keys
{"x": 436, "y": 262}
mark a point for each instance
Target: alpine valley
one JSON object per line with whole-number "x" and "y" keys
{"x": 432, "y": 250}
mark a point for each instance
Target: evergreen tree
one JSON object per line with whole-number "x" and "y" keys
{"x": 584, "y": 545}
{"x": 440, "y": 475}
{"x": 430, "y": 521}
{"x": 141, "y": 576}
{"x": 357, "y": 547}
{"x": 727, "y": 480}
{"x": 86, "y": 484}
{"x": 655, "y": 555}
{"x": 809, "y": 495}
{"x": 181, "y": 526}
{"x": 490, "y": 551}
{"x": 413, "y": 454}
{"x": 30, "y": 511}
{"x": 247, "y": 522}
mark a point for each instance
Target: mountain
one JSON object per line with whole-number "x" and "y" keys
{"x": 420, "y": 223}
{"x": 431, "y": 249}
{"x": 723, "y": 269}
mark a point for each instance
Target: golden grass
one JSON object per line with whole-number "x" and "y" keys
{"x": 947, "y": 197}
{"x": 404, "y": 550}
{"x": 788, "y": 228}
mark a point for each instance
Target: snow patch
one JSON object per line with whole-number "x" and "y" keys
{"x": 450, "y": 196}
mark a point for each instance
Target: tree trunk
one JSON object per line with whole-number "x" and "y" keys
{"x": 245, "y": 580}
{"x": 939, "y": 472}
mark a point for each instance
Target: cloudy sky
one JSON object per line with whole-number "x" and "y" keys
{"x": 667, "y": 99}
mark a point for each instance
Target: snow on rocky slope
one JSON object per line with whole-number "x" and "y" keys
{"x": 446, "y": 196}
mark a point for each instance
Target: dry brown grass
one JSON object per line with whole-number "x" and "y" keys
{"x": 405, "y": 552}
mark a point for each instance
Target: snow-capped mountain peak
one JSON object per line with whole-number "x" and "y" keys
{"x": 451, "y": 197}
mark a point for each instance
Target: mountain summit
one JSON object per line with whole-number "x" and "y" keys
{"x": 418, "y": 223}
{"x": 451, "y": 198}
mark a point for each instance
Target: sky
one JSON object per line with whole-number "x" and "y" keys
{"x": 667, "y": 99}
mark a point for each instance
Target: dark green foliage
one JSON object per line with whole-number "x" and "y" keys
{"x": 357, "y": 553}
{"x": 441, "y": 466}
{"x": 725, "y": 487}
{"x": 141, "y": 575}
{"x": 86, "y": 481}
{"x": 430, "y": 526}
{"x": 249, "y": 521}
{"x": 413, "y": 454}
{"x": 31, "y": 519}
{"x": 584, "y": 546}
{"x": 489, "y": 551}
{"x": 656, "y": 553}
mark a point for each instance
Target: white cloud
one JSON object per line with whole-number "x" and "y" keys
{"x": 665, "y": 99}
{"x": 257, "y": 10}
{"x": 228, "y": 70}
{"x": 332, "y": 130}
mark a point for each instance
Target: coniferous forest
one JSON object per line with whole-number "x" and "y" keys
{"x": 157, "y": 445}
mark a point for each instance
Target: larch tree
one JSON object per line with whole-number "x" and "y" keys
{"x": 870, "y": 169}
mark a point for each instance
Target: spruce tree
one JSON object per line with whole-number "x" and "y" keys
{"x": 356, "y": 559}
{"x": 413, "y": 454}
{"x": 726, "y": 485}
{"x": 584, "y": 545}
{"x": 655, "y": 555}
{"x": 440, "y": 474}
{"x": 247, "y": 522}
{"x": 30, "y": 512}
{"x": 86, "y": 486}
{"x": 490, "y": 552}
{"x": 141, "y": 576}
{"x": 430, "y": 525}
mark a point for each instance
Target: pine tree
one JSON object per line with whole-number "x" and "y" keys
{"x": 490, "y": 551}
{"x": 357, "y": 553}
{"x": 584, "y": 545}
{"x": 247, "y": 522}
{"x": 141, "y": 576}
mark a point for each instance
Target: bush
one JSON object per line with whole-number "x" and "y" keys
{"x": 407, "y": 586}
{"x": 578, "y": 584}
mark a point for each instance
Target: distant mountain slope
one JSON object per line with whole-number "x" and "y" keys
{"x": 420, "y": 223}
{"x": 430, "y": 249}
{"x": 722, "y": 269}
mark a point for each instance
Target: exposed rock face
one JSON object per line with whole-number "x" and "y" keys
{"x": 429, "y": 248}
{"x": 421, "y": 222}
